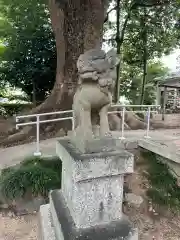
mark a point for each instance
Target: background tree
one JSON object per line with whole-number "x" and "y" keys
{"x": 132, "y": 82}
{"x": 147, "y": 31}
{"x": 29, "y": 59}
{"x": 77, "y": 27}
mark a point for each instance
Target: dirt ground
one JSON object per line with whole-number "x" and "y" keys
{"x": 153, "y": 223}
{"x": 18, "y": 228}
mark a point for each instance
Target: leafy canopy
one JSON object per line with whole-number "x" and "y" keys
{"x": 29, "y": 59}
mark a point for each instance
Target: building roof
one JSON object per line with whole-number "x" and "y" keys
{"x": 172, "y": 80}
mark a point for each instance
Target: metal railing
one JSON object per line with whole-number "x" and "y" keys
{"x": 38, "y": 121}
{"x": 122, "y": 109}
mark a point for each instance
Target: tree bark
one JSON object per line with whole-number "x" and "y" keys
{"x": 78, "y": 27}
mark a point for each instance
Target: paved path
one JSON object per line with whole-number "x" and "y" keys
{"x": 13, "y": 155}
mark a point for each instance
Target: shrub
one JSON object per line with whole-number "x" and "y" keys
{"x": 35, "y": 175}
{"x": 164, "y": 189}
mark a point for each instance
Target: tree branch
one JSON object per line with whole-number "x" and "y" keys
{"x": 131, "y": 62}
{"x": 107, "y": 14}
{"x": 109, "y": 39}
{"x": 121, "y": 38}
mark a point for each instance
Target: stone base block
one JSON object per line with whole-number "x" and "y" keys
{"x": 47, "y": 231}
{"x": 57, "y": 224}
{"x": 92, "y": 184}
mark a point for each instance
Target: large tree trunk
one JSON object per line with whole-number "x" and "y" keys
{"x": 78, "y": 27}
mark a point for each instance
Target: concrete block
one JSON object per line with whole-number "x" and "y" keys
{"x": 88, "y": 166}
{"x": 47, "y": 231}
{"x": 89, "y": 205}
{"x": 57, "y": 224}
{"x": 62, "y": 219}
{"x": 92, "y": 184}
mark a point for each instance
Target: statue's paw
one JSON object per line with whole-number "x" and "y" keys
{"x": 108, "y": 134}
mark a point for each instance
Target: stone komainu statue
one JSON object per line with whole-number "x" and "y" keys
{"x": 97, "y": 74}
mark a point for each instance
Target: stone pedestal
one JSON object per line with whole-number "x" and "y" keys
{"x": 89, "y": 205}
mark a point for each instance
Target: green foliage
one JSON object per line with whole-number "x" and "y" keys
{"x": 29, "y": 59}
{"x": 35, "y": 175}
{"x": 161, "y": 33}
{"x": 28, "y": 52}
{"x": 147, "y": 32}
{"x": 164, "y": 189}
{"x": 54, "y": 163}
{"x": 10, "y": 109}
{"x": 132, "y": 81}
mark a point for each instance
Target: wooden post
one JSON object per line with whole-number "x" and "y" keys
{"x": 164, "y": 102}
{"x": 175, "y": 99}
{"x": 158, "y": 97}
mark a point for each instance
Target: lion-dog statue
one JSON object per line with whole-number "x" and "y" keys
{"x": 97, "y": 74}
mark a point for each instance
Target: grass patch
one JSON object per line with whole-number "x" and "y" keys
{"x": 164, "y": 190}
{"x": 35, "y": 175}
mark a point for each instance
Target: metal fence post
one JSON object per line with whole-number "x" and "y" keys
{"x": 73, "y": 123}
{"x": 148, "y": 122}
{"x": 123, "y": 120}
{"x": 37, "y": 153}
{"x": 17, "y": 120}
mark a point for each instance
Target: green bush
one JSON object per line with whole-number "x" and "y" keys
{"x": 34, "y": 175}
{"x": 52, "y": 163}
{"x": 164, "y": 189}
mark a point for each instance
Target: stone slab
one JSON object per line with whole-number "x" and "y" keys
{"x": 88, "y": 166}
{"x": 47, "y": 231}
{"x": 165, "y": 154}
{"x": 161, "y": 148}
{"x": 61, "y": 218}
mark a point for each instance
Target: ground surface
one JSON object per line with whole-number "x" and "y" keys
{"x": 18, "y": 228}
{"x": 153, "y": 222}
{"x": 13, "y": 155}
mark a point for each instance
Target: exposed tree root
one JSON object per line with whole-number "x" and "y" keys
{"x": 55, "y": 102}
{"x": 48, "y": 130}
